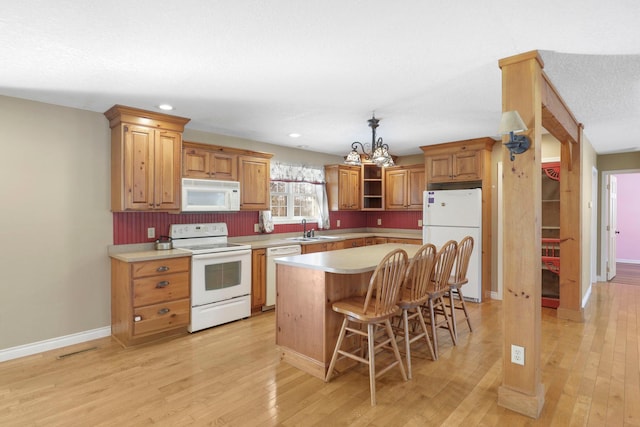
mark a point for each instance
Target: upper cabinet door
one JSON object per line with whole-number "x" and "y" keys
{"x": 167, "y": 181}
{"x": 417, "y": 186}
{"x": 138, "y": 168}
{"x": 396, "y": 188}
{"x": 439, "y": 168}
{"x": 224, "y": 166}
{"x": 195, "y": 163}
{"x": 349, "y": 189}
{"x": 467, "y": 166}
{"x": 254, "y": 183}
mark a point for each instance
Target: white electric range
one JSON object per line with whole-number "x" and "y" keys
{"x": 220, "y": 274}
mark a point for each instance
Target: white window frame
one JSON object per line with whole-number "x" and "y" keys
{"x": 290, "y": 219}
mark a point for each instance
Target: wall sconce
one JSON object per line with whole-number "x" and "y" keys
{"x": 510, "y": 123}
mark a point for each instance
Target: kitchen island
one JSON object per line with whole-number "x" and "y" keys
{"x": 307, "y": 285}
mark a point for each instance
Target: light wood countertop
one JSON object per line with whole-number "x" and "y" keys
{"x": 347, "y": 261}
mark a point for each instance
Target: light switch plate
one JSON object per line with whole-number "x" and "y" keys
{"x": 151, "y": 233}
{"x": 337, "y": 223}
{"x": 379, "y": 221}
{"x": 256, "y": 228}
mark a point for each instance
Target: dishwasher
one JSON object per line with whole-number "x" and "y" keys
{"x": 272, "y": 254}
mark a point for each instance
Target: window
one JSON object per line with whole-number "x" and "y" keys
{"x": 293, "y": 201}
{"x": 297, "y": 192}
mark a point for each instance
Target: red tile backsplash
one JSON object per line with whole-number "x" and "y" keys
{"x": 131, "y": 227}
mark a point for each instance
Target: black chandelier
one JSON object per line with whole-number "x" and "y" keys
{"x": 377, "y": 152}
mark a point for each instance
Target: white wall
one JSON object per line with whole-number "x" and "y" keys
{"x": 55, "y": 223}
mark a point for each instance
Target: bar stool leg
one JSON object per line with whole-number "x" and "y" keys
{"x": 372, "y": 362}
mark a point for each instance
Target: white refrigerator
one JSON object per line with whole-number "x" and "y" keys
{"x": 452, "y": 215}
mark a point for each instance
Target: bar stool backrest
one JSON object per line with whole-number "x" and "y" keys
{"x": 385, "y": 283}
{"x": 465, "y": 248}
{"x": 419, "y": 272}
{"x": 444, "y": 264}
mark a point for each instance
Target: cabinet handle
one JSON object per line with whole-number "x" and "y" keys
{"x": 163, "y": 311}
{"x": 162, "y": 269}
{"x": 162, "y": 284}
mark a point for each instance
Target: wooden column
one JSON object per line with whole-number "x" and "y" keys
{"x": 571, "y": 232}
{"x": 559, "y": 121}
{"x": 522, "y": 390}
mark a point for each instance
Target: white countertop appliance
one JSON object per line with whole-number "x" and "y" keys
{"x": 452, "y": 215}
{"x": 220, "y": 274}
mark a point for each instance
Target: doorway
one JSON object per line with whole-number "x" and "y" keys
{"x": 625, "y": 203}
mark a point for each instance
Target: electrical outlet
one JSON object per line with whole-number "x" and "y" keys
{"x": 337, "y": 223}
{"x": 256, "y": 228}
{"x": 151, "y": 233}
{"x": 517, "y": 354}
{"x": 379, "y": 221}
{"x": 419, "y": 223}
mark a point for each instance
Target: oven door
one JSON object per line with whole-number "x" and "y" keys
{"x": 220, "y": 276}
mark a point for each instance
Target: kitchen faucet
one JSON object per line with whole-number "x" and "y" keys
{"x": 304, "y": 227}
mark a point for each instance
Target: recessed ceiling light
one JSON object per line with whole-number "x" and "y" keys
{"x": 294, "y": 135}
{"x": 165, "y": 107}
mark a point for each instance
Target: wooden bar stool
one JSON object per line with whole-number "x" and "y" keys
{"x": 373, "y": 310}
{"x": 413, "y": 294}
{"x": 459, "y": 278}
{"x": 438, "y": 288}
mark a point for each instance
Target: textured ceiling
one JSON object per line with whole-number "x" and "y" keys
{"x": 264, "y": 69}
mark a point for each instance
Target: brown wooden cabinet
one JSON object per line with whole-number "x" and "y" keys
{"x": 459, "y": 164}
{"x": 254, "y": 174}
{"x": 250, "y": 168}
{"x": 207, "y": 162}
{"x": 373, "y": 193}
{"x": 354, "y": 243}
{"x": 315, "y": 247}
{"x": 465, "y": 164}
{"x": 145, "y": 159}
{"x": 404, "y": 187}
{"x": 343, "y": 187}
{"x": 258, "y": 279}
{"x": 404, "y": 240}
{"x": 149, "y": 299}
{"x": 375, "y": 241}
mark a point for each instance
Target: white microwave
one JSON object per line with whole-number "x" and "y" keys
{"x": 207, "y": 195}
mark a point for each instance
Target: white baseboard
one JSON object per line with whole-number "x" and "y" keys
{"x": 629, "y": 261}
{"x": 53, "y": 343}
{"x": 494, "y": 295}
{"x": 586, "y": 297}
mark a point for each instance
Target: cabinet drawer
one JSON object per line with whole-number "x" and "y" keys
{"x": 161, "y": 266}
{"x": 160, "y": 317}
{"x": 163, "y": 287}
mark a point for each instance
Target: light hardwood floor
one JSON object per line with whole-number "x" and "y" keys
{"x": 231, "y": 375}
{"x": 628, "y": 274}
